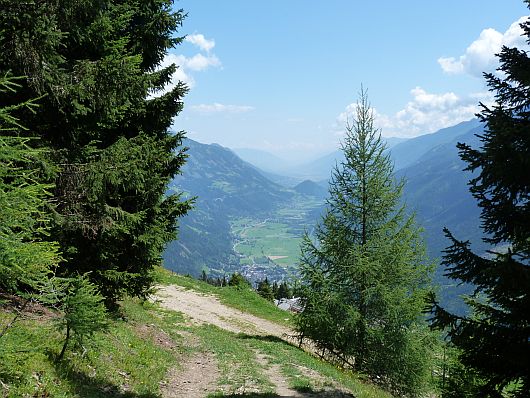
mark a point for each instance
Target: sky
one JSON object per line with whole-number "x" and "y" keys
{"x": 283, "y": 76}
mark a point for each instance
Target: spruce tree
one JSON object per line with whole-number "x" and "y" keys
{"x": 494, "y": 340}
{"x": 27, "y": 258}
{"x": 363, "y": 273}
{"x": 83, "y": 309}
{"x": 94, "y": 63}
{"x": 265, "y": 290}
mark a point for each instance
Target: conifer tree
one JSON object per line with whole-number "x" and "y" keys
{"x": 26, "y": 257}
{"x": 363, "y": 274}
{"x": 94, "y": 63}
{"x": 495, "y": 339}
{"x": 265, "y": 290}
{"x": 83, "y": 308}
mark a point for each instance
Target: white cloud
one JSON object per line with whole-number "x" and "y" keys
{"x": 425, "y": 113}
{"x": 199, "y": 62}
{"x": 187, "y": 65}
{"x": 480, "y": 56}
{"x": 221, "y": 108}
{"x": 200, "y": 41}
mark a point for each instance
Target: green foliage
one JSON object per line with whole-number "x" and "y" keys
{"x": 237, "y": 280}
{"x": 26, "y": 257}
{"x": 121, "y": 362}
{"x": 283, "y": 290}
{"x": 364, "y": 273}
{"x": 83, "y": 308}
{"x": 95, "y": 65}
{"x": 494, "y": 341}
{"x": 456, "y": 380}
{"x": 265, "y": 290}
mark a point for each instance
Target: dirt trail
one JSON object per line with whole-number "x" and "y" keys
{"x": 206, "y": 309}
{"x": 197, "y": 378}
{"x": 198, "y": 374}
{"x": 273, "y": 373}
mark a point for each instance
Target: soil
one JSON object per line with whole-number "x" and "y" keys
{"x": 199, "y": 374}
{"x": 196, "y": 379}
{"x": 204, "y": 309}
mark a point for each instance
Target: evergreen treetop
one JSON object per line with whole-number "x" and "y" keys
{"x": 96, "y": 64}
{"x": 363, "y": 273}
{"x": 495, "y": 339}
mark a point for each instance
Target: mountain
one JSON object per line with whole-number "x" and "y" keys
{"x": 391, "y": 142}
{"x": 436, "y": 189}
{"x": 225, "y": 187}
{"x": 311, "y": 188}
{"x": 288, "y": 174}
{"x": 263, "y": 160}
{"x": 216, "y": 175}
{"x": 320, "y": 168}
{"x": 408, "y": 152}
{"x": 404, "y": 152}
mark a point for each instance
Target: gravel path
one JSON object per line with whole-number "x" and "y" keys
{"x": 207, "y": 309}
{"x": 197, "y": 376}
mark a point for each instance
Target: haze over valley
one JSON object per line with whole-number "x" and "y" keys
{"x": 250, "y": 220}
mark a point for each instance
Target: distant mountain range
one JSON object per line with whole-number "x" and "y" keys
{"x": 227, "y": 186}
{"x": 291, "y": 174}
{"x": 436, "y": 189}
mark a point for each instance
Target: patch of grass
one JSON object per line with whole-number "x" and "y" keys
{"x": 294, "y": 362}
{"x": 127, "y": 361}
{"x": 271, "y": 238}
{"x": 246, "y": 300}
{"x": 239, "y": 370}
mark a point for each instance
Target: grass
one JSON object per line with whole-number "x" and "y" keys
{"x": 145, "y": 342}
{"x": 242, "y": 373}
{"x": 242, "y": 299}
{"x": 124, "y": 362}
{"x": 261, "y": 238}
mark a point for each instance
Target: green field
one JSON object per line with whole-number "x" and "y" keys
{"x": 275, "y": 240}
{"x": 270, "y": 240}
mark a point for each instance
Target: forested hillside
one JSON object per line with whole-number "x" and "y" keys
{"x": 225, "y": 187}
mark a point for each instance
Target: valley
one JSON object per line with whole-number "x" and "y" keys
{"x": 244, "y": 222}
{"x": 270, "y": 247}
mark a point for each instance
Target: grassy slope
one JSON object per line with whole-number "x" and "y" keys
{"x": 143, "y": 344}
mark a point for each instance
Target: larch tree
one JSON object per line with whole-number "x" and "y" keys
{"x": 364, "y": 272}
{"x": 105, "y": 115}
{"x": 494, "y": 340}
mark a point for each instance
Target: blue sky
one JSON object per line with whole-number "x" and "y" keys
{"x": 281, "y": 75}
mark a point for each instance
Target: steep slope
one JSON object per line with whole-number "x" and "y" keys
{"x": 216, "y": 174}
{"x": 436, "y": 188}
{"x": 311, "y": 188}
{"x": 408, "y": 152}
{"x": 226, "y": 186}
